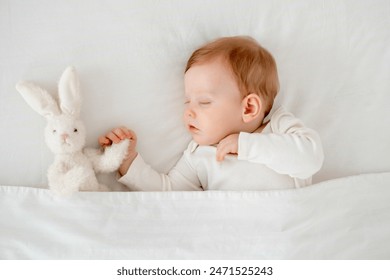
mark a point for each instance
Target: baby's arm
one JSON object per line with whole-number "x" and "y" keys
{"x": 142, "y": 177}
{"x": 291, "y": 148}
{"x": 139, "y": 176}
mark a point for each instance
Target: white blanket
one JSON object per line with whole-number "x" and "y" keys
{"x": 347, "y": 218}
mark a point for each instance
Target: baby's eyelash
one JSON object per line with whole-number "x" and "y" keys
{"x": 200, "y": 102}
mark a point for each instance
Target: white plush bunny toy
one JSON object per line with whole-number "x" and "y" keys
{"x": 74, "y": 166}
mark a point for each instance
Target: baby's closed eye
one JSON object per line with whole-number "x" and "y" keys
{"x": 204, "y": 103}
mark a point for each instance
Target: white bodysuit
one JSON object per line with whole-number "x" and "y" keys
{"x": 284, "y": 155}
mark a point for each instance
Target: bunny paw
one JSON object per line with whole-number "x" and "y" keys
{"x": 116, "y": 153}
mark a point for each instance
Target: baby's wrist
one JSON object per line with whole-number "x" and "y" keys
{"x": 127, "y": 163}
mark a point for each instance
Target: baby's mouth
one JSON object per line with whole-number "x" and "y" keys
{"x": 192, "y": 128}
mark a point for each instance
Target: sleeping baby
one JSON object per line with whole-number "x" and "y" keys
{"x": 237, "y": 144}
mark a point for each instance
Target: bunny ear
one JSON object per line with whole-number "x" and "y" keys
{"x": 69, "y": 92}
{"x": 38, "y": 99}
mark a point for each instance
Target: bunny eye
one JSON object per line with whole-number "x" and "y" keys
{"x": 54, "y": 131}
{"x": 75, "y": 130}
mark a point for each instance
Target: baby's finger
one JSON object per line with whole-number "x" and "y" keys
{"x": 120, "y": 133}
{"x": 224, "y": 149}
{"x": 221, "y": 152}
{"x": 113, "y": 137}
{"x": 104, "y": 141}
{"x": 129, "y": 133}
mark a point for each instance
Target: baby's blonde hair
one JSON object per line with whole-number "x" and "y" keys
{"x": 253, "y": 66}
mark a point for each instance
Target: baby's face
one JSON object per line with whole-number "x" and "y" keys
{"x": 213, "y": 102}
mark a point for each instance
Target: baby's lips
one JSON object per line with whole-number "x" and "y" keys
{"x": 192, "y": 128}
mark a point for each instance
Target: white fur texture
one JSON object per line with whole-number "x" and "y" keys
{"x": 74, "y": 166}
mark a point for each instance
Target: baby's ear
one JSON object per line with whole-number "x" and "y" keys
{"x": 251, "y": 107}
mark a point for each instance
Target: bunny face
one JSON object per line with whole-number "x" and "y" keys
{"x": 65, "y": 135}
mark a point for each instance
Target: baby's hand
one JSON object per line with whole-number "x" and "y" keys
{"x": 115, "y": 136}
{"x": 228, "y": 145}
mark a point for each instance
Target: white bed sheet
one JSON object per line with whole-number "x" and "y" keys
{"x": 347, "y": 218}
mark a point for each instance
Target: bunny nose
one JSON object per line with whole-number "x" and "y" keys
{"x": 64, "y": 136}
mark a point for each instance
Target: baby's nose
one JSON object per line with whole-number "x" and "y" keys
{"x": 190, "y": 113}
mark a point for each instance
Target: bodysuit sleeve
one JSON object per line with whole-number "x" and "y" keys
{"x": 142, "y": 177}
{"x": 288, "y": 147}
